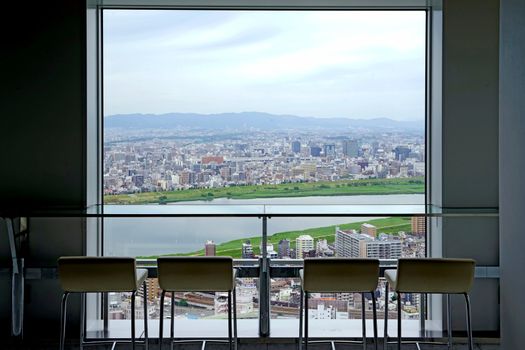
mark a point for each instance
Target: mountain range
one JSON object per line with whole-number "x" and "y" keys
{"x": 252, "y": 120}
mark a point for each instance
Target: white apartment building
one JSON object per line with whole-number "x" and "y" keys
{"x": 358, "y": 245}
{"x": 303, "y": 243}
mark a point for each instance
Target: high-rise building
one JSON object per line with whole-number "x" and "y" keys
{"x": 296, "y": 147}
{"x": 401, "y": 152}
{"x": 350, "y": 148}
{"x": 187, "y": 177}
{"x": 247, "y": 250}
{"x": 210, "y": 249}
{"x": 350, "y": 244}
{"x": 418, "y": 224}
{"x": 384, "y": 249}
{"x": 369, "y": 229}
{"x": 152, "y": 285}
{"x": 303, "y": 244}
{"x": 315, "y": 151}
{"x": 283, "y": 249}
{"x": 345, "y": 245}
{"x": 329, "y": 150}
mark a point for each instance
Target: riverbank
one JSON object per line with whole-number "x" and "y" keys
{"x": 414, "y": 185}
{"x": 233, "y": 248}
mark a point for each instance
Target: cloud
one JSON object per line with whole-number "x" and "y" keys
{"x": 322, "y": 63}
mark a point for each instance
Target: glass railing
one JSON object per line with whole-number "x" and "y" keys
{"x": 268, "y": 243}
{"x": 287, "y": 234}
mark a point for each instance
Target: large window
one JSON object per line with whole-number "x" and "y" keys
{"x": 232, "y": 107}
{"x": 222, "y": 106}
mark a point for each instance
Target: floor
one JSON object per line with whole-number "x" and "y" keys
{"x": 249, "y": 328}
{"x": 253, "y": 345}
{"x": 283, "y": 332}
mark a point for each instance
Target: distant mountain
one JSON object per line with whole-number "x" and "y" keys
{"x": 247, "y": 120}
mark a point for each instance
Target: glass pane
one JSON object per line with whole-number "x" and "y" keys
{"x": 383, "y": 238}
{"x": 149, "y": 238}
{"x": 271, "y": 107}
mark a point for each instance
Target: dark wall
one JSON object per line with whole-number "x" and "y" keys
{"x": 42, "y": 109}
{"x": 42, "y": 122}
{"x": 470, "y": 103}
{"x": 512, "y": 172}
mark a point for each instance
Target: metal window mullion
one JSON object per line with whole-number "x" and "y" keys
{"x": 264, "y": 283}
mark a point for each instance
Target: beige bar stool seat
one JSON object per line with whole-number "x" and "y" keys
{"x": 338, "y": 275}
{"x": 197, "y": 274}
{"x": 81, "y": 274}
{"x": 437, "y": 276}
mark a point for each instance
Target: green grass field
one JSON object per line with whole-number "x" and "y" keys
{"x": 233, "y": 248}
{"x": 415, "y": 185}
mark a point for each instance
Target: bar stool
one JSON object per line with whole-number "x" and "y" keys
{"x": 197, "y": 274}
{"x": 336, "y": 275}
{"x": 436, "y": 276}
{"x": 80, "y": 274}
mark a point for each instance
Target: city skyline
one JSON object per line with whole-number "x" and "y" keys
{"x": 208, "y": 160}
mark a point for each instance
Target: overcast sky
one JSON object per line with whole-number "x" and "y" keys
{"x": 354, "y": 64}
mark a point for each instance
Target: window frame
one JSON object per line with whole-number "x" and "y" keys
{"x": 95, "y": 68}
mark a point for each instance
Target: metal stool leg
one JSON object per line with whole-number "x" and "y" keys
{"x": 306, "y": 320}
{"x": 374, "y": 316}
{"x": 363, "y": 319}
{"x": 398, "y": 321}
{"x": 145, "y": 288}
{"x": 63, "y": 317}
{"x": 82, "y": 319}
{"x": 301, "y": 310}
{"x": 469, "y": 323}
{"x": 449, "y": 323}
{"x": 172, "y": 324}
{"x": 235, "y": 339}
{"x": 161, "y": 321}
{"x": 133, "y": 294}
{"x": 385, "y": 338}
{"x": 230, "y": 331}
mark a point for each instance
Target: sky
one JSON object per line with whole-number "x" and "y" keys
{"x": 351, "y": 64}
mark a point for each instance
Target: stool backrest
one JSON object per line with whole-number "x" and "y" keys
{"x": 196, "y": 274}
{"x": 435, "y": 275}
{"x": 340, "y": 275}
{"x": 97, "y": 274}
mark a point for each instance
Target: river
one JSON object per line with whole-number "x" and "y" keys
{"x": 156, "y": 236}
